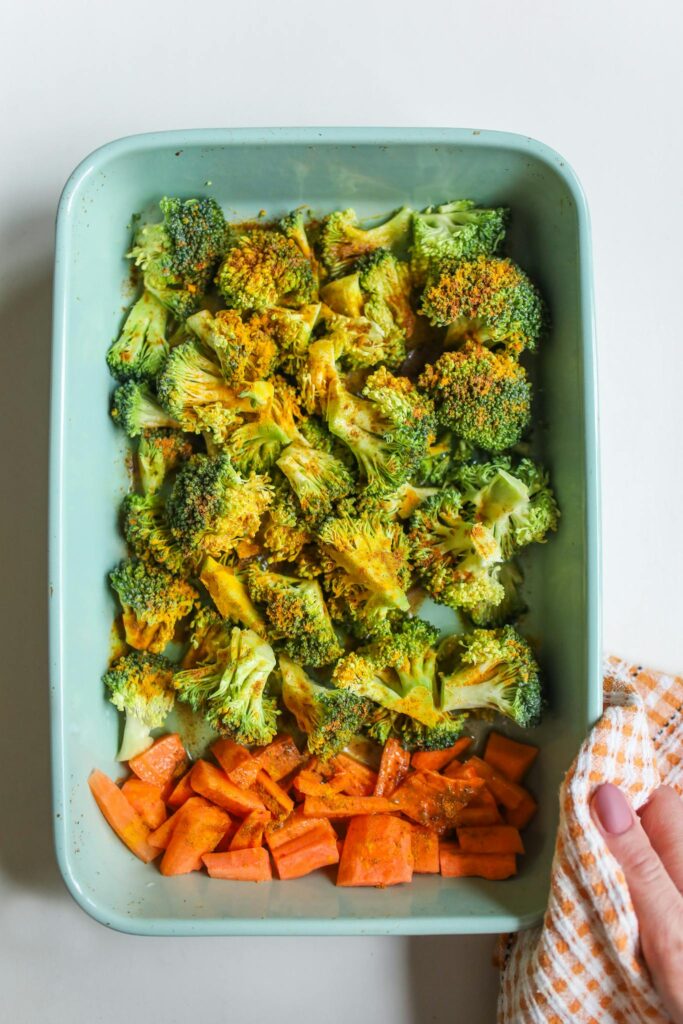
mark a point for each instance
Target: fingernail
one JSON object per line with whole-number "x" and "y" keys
{"x": 612, "y": 809}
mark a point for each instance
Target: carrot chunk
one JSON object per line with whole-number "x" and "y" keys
{"x": 224, "y": 844}
{"x": 146, "y": 800}
{"x": 182, "y": 791}
{"x": 425, "y": 847}
{"x": 377, "y": 851}
{"x": 161, "y": 836}
{"x": 340, "y": 806}
{"x": 507, "y": 793}
{"x": 280, "y": 757}
{"x": 393, "y": 768}
{"x": 433, "y": 800}
{"x": 161, "y": 762}
{"x": 250, "y": 865}
{"x": 212, "y": 783}
{"x": 250, "y": 832}
{"x": 509, "y": 757}
{"x": 198, "y": 831}
{"x": 244, "y": 774}
{"x": 229, "y": 754}
{"x": 490, "y": 839}
{"x": 126, "y": 822}
{"x": 435, "y": 760}
{"x": 521, "y": 815}
{"x": 494, "y": 866}
{"x": 277, "y": 834}
{"x": 361, "y": 780}
{"x": 488, "y": 814}
{"x": 305, "y": 853}
{"x": 279, "y": 803}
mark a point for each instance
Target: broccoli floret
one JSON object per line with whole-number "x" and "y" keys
{"x": 290, "y": 331}
{"x": 231, "y": 596}
{"x": 294, "y": 226}
{"x": 416, "y": 736}
{"x": 457, "y": 560}
{"x": 136, "y": 410}
{"x": 211, "y": 507}
{"x": 153, "y": 600}
{"x": 285, "y": 532}
{"x": 140, "y": 685}
{"x": 264, "y": 268}
{"x": 380, "y": 723}
{"x": 459, "y": 230}
{"x": 511, "y": 605}
{"x": 329, "y": 717}
{"x": 244, "y": 353}
{"x": 159, "y": 453}
{"x": 317, "y": 375}
{"x": 297, "y": 614}
{"x": 385, "y": 283}
{"x": 228, "y": 688}
{"x": 344, "y": 296}
{"x": 257, "y": 445}
{"x": 317, "y": 478}
{"x": 488, "y": 299}
{"x": 141, "y": 348}
{"x": 147, "y": 532}
{"x": 398, "y": 504}
{"x": 397, "y": 672}
{"x": 343, "y": 240}
{"x": 484, "y": 397}
{"x": 209, "y": 634}
{"x": 360, "y": 344}
{"x": 435, "y": 467}
{"x": 492, "y": 669}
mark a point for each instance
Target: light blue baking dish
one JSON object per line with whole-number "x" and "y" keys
{"x": 373, "y": 170}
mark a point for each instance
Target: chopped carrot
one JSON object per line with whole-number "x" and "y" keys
{"x": 280, "y": 757}
{"x": 488, "y": 814}
{"x": 279, "y": 803}
{"x": 161, "y": 836}
{"x": 361, "y": 779}
{"x": 182, "y": 791}
{"x": 303, "y": 854}
{"x": 340, "y": 806}
{"x": 377, "y": 851}
{"x": 199, "y": 830}
{"x": 507, "y": 793}
{"x": 522, "y": 814}
{"x": 484, "y": 798}
{"x": 490, "y": 839}
{"x": 509, "y": 757}
{"x": 433, "y": 800}
{"x": 435, "y": 760}
{"x": 244, "y": 774}
{"x": 146, "y": 800}
{"x": 250, "y": 832}
{"x": 250, "y": 865}
{"x": 456, "y": 864}
{"x": 224, "y": 844}
{"x": 126, "y": 822}
{"x": 229, "y": 754}
{"x": 459, "y": 770}
{"x": 279, "y": 834}
{"x": 309, "y": 783}
{"x": 393, "y": 768}
{"x": 160, "y": 762}
{"x": 425, "y": 847}
{"x": 212, "y": 783}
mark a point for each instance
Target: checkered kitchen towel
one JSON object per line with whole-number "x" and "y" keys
{"x": 583, "y": 963}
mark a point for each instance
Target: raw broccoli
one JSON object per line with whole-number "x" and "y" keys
{"x": 511, "y": 605}
{"x": 416, "y": 736}
{"x": 344, "y": 296}
{"x": 487, "y": 299}
{"x": 159, "y": 453}
{"x": 492, "y": 669}
{"x": 141, "y": 348}
{"x": 398, "y": 504}
{"x": 285, "y": 532}
{"x": 317, "y": 478}
{"x": 147, "y": 532}
{"x": 231, "y": 596}
{"x": 329, "y": 717}
{"x": 459, "y": 230}
{"x": 457, "y": 560}
{"x": 244, "y": 352}
{"x": 153, "y": 600}
{"x": 397, "y": 672}
{"x": 297, "y": 614}
{"x": 484, "y": 397}
{"x": 209, "y": 634}
{"x": 136, "y": 410}
{"x": 360, "y": 344}
{"x": 291, "y": 332}
{"x": 385, "y": 283}
{"x": 257, "y": 445}
{"x": 343, "y": 240}
{"x": 228, "y": 688}
{"x": 317, "y": 375}
{"x": 211, "y": 507}
{"x": 140, "y": 685}
{"x": 265, "y": 268}
{"x": 293, "y": 226}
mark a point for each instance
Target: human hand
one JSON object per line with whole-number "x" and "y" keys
{"x": 649, "y": 848}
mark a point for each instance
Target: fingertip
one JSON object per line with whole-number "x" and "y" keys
{"x": 611, "y": 809}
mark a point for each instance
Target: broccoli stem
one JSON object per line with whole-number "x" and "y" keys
{"x": 135, "y": 740}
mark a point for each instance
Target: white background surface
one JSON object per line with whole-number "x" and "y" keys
{"x": 597, "y": 81}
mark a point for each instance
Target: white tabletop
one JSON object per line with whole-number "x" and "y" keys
{"x": 600, "y": 83}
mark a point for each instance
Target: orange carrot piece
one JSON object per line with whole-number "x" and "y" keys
{"x": 272, "y": 796}
{"x": 521, "y": 815}
{"x": 126, "y": 822}
{"x": 476, "y": 816}
{"x": 340, "y": 806}
{"x": 199, "y": 830}
{"x": 361, "y": 780}
{"x": 244, "y": 774}
{"x": 212, "y": 783}
{"x": 459, "y": 770}
{"x": 224, "y": 845}
{"x": 146, "y": 800}
{"x": 250, "y": 832}
{"x": 182, "y": 791}
{"x": 509, "y": 757}
{"x": 433, "y": 800}
{"x": 484, "y": 798}
{"x": 229, "y": 754}
{"x": 377, "y": 851}
{"x": 249, "y": 865}
{"x": 494, "y": 866}
{"x": 280, "y": 757}
{"x": 435, "y": 760}
{"x": 507, "y": 793}
{"x": 490, "y": 839}
{"x": 309, "y": 783}
{"x": 278, "y": 834}
{"x": 160, "y": 762}
{"x": 425, "y": 847}
{"x": 307, "y": 852}
{"x": 393, "y": 768}
{"x": 161, "y": 836}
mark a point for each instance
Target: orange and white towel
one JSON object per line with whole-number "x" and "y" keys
{"x": 583, "y": 964}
